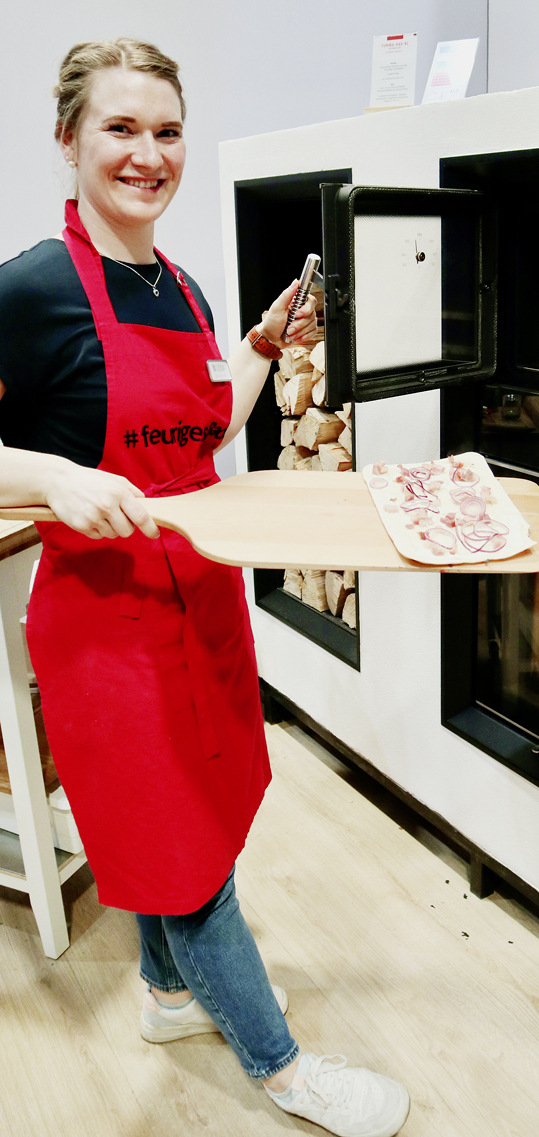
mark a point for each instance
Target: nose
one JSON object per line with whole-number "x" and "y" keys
{"x": 146, "y": 152}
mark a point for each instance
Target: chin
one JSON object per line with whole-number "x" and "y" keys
{"x": 141, "y": 212}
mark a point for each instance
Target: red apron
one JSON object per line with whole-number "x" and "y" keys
{"x": 143, "y": 649}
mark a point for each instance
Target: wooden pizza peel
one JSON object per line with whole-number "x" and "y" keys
{"x": 304, "y": 519}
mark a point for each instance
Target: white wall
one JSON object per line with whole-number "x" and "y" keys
{"x": 247, "y": 68}
{"x": 513, "y": 44}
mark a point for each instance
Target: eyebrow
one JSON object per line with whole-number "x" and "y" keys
{"x": 128, "y": 118}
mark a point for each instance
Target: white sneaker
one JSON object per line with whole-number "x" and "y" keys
{"x": 348, "y": 1102}
{"x": 165, "y": 1024}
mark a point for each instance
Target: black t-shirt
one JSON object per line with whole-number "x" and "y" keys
{"x": 51, "y": 361}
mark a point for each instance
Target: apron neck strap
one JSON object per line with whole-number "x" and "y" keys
{"x": 89, "y": 265}
{"x": 182, "y": 283}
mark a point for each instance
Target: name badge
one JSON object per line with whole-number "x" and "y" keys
{"x": 219, "y": 371}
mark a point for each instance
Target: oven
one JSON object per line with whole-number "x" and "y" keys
{"x": 425, "y": 221}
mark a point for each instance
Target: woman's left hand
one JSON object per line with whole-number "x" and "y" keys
{"x": 302, "y": 328}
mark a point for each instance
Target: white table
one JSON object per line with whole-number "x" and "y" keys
{"x": 42, "y": 877}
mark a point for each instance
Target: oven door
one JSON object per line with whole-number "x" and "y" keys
{"x": 410, "y": 289}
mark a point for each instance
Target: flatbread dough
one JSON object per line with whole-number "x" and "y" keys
{"x": 447, "y": 511}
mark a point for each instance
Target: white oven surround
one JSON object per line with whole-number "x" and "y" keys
{"x": 389, "y": 712}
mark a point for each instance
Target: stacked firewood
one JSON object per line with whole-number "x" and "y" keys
{"x": 314, "y": 438}
{"x": 327, "y": 591}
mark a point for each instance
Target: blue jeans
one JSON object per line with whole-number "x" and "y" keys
{"x": 212, "y": 953}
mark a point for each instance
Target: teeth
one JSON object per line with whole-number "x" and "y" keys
{"x": 140, "y": 183}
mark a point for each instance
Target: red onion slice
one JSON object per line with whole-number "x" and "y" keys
{"x": 444, "y": 539}
{"x": 378, "y": 483}
{"x": 460, "y": 495}
{"x": 473, "y": 508}
{"x": 487, "y": 528}
{"x": 495, "y": 543}
{"x": 419, "y": 473}
{"x": 488, "y": 540}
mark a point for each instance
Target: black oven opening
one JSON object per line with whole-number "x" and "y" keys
{"x": 490, "y": 624}
{"x": 278, "y": 222}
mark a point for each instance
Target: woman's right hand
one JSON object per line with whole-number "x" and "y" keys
{"x": 93, "y": 502}
{"x": 97, "y": 503}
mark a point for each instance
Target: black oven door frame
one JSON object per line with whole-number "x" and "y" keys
{"x": 468, "y": 253}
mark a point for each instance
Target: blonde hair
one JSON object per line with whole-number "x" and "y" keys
{"x": 85, "y": 59}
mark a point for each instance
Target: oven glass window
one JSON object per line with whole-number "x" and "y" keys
{"x": 508, "y": 649}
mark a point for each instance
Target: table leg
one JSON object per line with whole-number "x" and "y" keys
{"x": 24, "y": 767}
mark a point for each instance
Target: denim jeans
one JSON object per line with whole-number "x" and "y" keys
{"x": 212, "y": 953}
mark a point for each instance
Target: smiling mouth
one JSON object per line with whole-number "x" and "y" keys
{"x": 143, "y": 183}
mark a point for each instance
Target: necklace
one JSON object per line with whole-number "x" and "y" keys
{"x": 153, "y": 286}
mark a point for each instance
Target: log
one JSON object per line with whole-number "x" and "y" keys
{"x": 348, "y": 614}
{"x": 297, "y": 394}
{"x": 317, "y": 426}
{"x": 288, "y": 430}
{"x": 313, "y": 590}
{"x": 293, "y": 457}
{"x": 288, "y": 458}
{"x": 294, "y": 361}
{"x": 349, "y": 579}
{"x": 318, "y": 356}
{"x": 318, "y": 293}
{"x": 318, "y": 392}
{"x": 345, "y": 439}
{"x": 346, "y": 413}
{"x": 333, "y": 457}
{"x": 315, "y": 462}
{"x": 293, "y": 582}
{"x": 279, "y": 383}
{"x": 335, "y": 591}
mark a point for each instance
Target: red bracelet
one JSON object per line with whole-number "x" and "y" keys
{"x": 262, "y": 345}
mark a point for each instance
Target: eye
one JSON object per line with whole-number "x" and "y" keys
{"x": 117, "y": 128}
{"x": 170, "y": 132}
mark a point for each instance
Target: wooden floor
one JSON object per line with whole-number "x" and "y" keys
{"x": 371, "y": 928}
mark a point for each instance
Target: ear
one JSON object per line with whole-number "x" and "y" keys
{"x": 68, "y": 148}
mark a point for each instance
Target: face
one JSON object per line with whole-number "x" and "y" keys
{"x": 129, "y": 148}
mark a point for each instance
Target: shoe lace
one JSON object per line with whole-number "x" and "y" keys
{"x": 327, "y": 1082}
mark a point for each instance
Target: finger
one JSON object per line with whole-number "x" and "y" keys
{"x": 302, "y": 322}
{"x": 287, "y": 295}
{"x": 134, "y": 509}
{"x": 118, "y": 523}
{"x": 105, "y": 528}
{"x": 307, "y": 312}
{"x": 89, "y": 524}
{"x": 300, "y": 329}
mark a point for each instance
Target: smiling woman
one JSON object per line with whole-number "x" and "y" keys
{"x": 129, "y": 152}
{"x": 142, "y": 649}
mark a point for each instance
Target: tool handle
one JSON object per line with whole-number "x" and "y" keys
{"x": 304, "y": 288}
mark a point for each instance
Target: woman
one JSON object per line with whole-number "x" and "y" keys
{"x": 142, "y": 648}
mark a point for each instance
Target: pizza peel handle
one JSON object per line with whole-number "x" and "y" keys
{"x": 27, "y": 513}
{"x": 43, "y": 513}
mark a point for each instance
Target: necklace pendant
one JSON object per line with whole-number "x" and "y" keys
{"x": 155, "y": 291}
